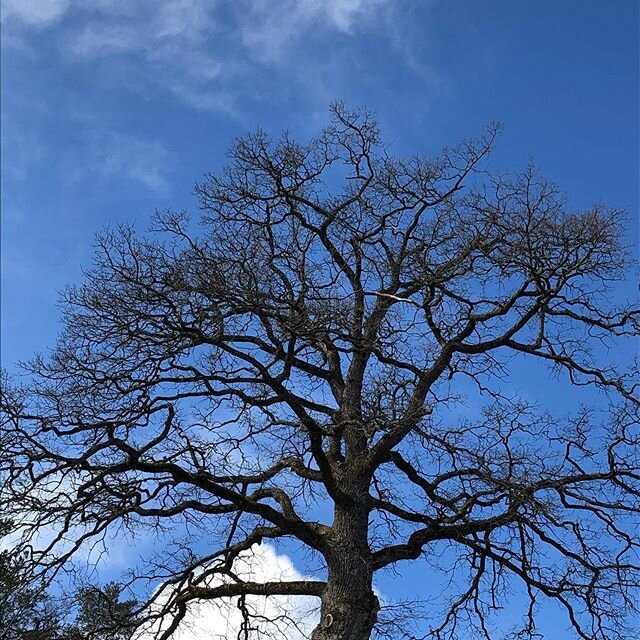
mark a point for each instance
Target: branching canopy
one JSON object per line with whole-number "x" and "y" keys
{"x": 292, "y": 367}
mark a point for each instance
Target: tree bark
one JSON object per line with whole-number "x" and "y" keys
{"x": 349, "y": 607}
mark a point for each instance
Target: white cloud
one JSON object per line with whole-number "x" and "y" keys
{"x": 343, "y": 13}
{"x": 104, "y": 151}
{"x": 172, "y": 33}
{"x": 269, "y": 30}
{"x": 36, "y": 13}
{"x": 96, "y": 41}
{"x": 119, "y": 155}
{"x": 293, "y": 618}
{"x": 168, "y": 44}
{"x": 199, "y": 50}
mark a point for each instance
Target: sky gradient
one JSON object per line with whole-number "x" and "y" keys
{"x": 111, "y": 109}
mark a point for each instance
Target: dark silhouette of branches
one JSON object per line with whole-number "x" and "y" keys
{"x": 300, "y": 350}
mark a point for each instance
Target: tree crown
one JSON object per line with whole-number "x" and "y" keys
{"x": 302, "y": 348}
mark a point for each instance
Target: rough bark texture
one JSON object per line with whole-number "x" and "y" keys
{"x": 349, "y": 606}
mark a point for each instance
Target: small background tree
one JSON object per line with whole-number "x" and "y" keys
{"x": 102, "y": 614}
{"x": 29, "y": 612}
{"x": 26, "y": 612}
{"x": 295, "y": 368}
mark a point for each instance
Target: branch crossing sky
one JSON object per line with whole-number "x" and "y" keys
{"x": 112, "y": 109}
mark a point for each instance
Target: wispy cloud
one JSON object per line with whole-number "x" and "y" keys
{"x": 35, "y": 13}
{"x": 173, "y": 33}
{"x": 98, "y": 150}
{"x": 201, "y": 51}
{"x": 269, "y": 30}
{"x": 168, "y": 43}
{"x": 124, "y": 156}
{"x": 20, "y": 149}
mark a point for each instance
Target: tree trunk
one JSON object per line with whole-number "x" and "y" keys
{"x": 349, "y": 607}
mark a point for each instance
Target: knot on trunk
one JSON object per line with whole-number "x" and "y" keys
{"x": 348, "y": 618}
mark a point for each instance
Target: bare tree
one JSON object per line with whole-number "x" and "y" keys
{"x": 292, "y": 367}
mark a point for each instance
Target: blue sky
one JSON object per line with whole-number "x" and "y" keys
{"x": 112, "y": 109}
